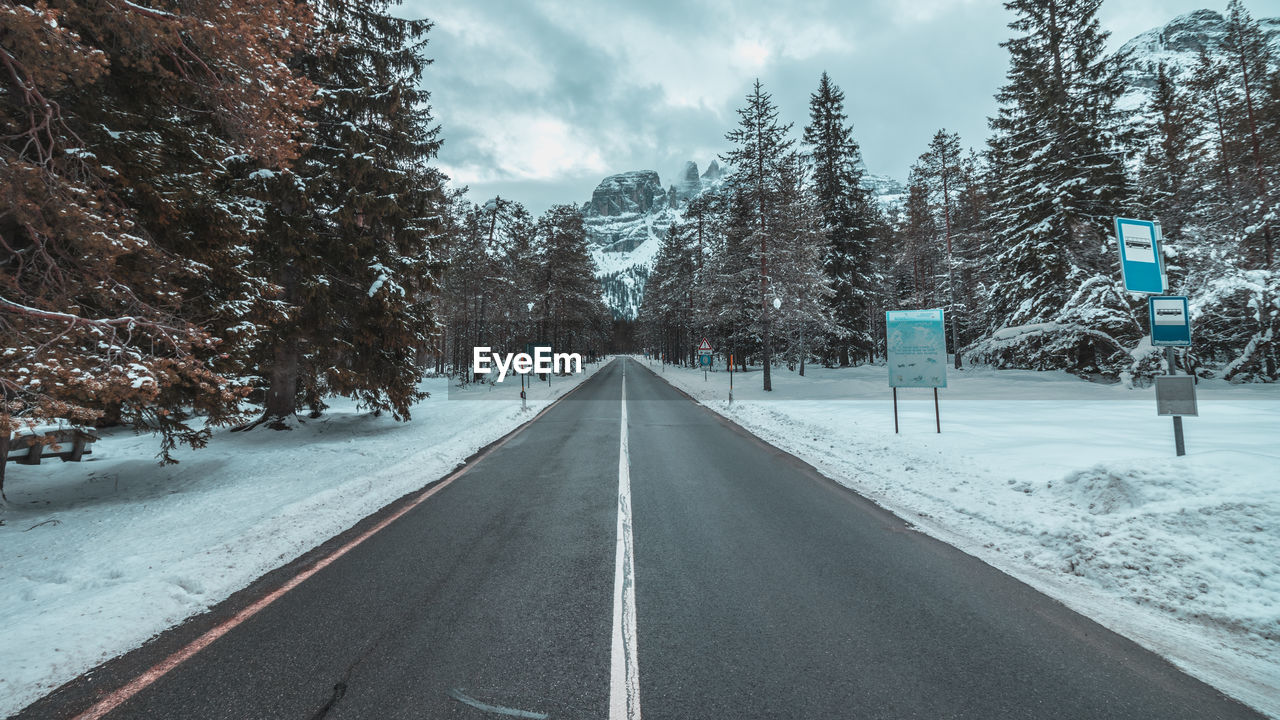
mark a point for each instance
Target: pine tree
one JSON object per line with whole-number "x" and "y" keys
{"x": 940, "y": 170}
{"x": 1059, "y": 180}
{"x": 799, "y": 280}
{"x": 571, "y": 314}
{"x": 355, "y": 222}
{"x": 730, "y": 280}
{"x": 1248, "y": 54}
{"x": 849, "y": 218}
{"x": 667, "y": 308}
{"x": 118, "y": 121}
{"x": 1236, "y": 283}
{"x": 1172, "y": 146}
{"x": 919, "y": 257}
{"x": 759, "y": 160}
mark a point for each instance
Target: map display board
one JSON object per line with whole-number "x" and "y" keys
{"x": 917, "y": 348}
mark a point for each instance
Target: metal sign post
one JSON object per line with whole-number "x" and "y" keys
{"x": 731, "y": 379}
{"x": 1171, "y": 327}
{"x": 704, "y": 357}
{"x": 916, "y": 347}
{"x": 1176, "y": 396}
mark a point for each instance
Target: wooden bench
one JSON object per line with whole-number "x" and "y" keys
{"x": 68, "y": 445}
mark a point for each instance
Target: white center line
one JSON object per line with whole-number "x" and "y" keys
{"x": 624, "y": 674}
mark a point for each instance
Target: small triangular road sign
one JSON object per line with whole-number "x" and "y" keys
{"x": 705, "y": 346}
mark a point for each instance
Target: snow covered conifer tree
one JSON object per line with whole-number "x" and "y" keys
{"x": 1055, "y": 294}
{"x": 1173, "y": 146}
{"x": 849, "y": 217}
{"x": 356, "y": 221}
{"x": 760, "y": 156}
{"x": 667, "y": 309}
{"x": 119, "y": 231}
{"x": 571, "y": 312}
{"x": 940, "y": 170}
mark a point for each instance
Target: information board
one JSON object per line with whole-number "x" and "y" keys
{"x": 917, "y": 348}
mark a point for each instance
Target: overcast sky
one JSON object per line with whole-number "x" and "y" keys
{"x": 540, "y": 99}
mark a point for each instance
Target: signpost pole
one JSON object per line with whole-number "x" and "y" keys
{"x": 1179, "y": 444}
{"x": 937, "y": 417}
{"x": 731, "y": 379}
{"x": 895, "y": 411}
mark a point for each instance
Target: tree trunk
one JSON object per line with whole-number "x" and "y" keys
{"x": 955, "y": 335}
{"x": 5, "y": 433}
{"x": 766, "y": 359}
{"x": 283, "y": 391}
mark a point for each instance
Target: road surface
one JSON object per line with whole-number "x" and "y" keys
{"x": 730, "y": 581}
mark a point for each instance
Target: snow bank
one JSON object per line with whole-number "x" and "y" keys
{"x": 1070, "y": 486}
{"x": 101, "y": 555}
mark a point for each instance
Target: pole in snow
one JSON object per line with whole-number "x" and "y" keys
{"x": 1179, "y": 444}
{"x": 937, "y": 418}
{"x": 895, "y": 411}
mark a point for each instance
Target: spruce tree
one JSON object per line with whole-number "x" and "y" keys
{"x": 355, "y": 222}
{"x": 1059, "y": 179}
{"x": 940, "y": 170}
{"x": 571, "y": 313}
{"x": 120, "y": 230}
{"x": 1172, "y": 146}
{"x": 759, "y": 159}
{"x": 849, "y": 218}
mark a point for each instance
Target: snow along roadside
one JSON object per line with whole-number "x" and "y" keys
{"x": 1069, "y": 486}
{"x": 100, "y": 556}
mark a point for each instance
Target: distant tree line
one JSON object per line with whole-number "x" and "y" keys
{"x": 512, "y": 282}
{"x": 793, "y": 261}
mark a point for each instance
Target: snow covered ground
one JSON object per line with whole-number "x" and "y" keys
{"x": 1070, "y": 486}
{"x": 99, "y": 556}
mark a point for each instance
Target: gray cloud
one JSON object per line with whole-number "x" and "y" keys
{"x": 540, "y": 99}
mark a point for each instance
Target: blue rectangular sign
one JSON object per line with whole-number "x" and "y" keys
{"x": 917, "y": 348}
{"x": 1170, "y": 321}
{"x": 1140, "y": 263}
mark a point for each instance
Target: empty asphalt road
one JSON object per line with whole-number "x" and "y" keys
{"x": 643, "y": 558}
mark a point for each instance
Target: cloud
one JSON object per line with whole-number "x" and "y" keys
{"x": 543, "y": 95}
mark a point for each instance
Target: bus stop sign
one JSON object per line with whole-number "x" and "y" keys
{"x": 1140, "y": 263}
{"x": 1170, "y": 321}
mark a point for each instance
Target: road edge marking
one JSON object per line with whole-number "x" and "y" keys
{"x": 123, "y": 694}
{"x": 624, "y": 673}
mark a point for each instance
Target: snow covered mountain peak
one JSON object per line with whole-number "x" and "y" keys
{"x": 1176, "y": 45}
{"x": 625, "y": 219}
{"x": 628, "y": 214}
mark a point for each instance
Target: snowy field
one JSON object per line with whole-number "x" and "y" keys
{"x": 1070, "y": 486}
{"x": 101, "y": 555}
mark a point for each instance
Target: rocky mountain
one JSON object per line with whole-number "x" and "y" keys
{"x": 625, "y": 220}
{"x": 628, "y": 214}
{"x": 1177, "y": 45}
